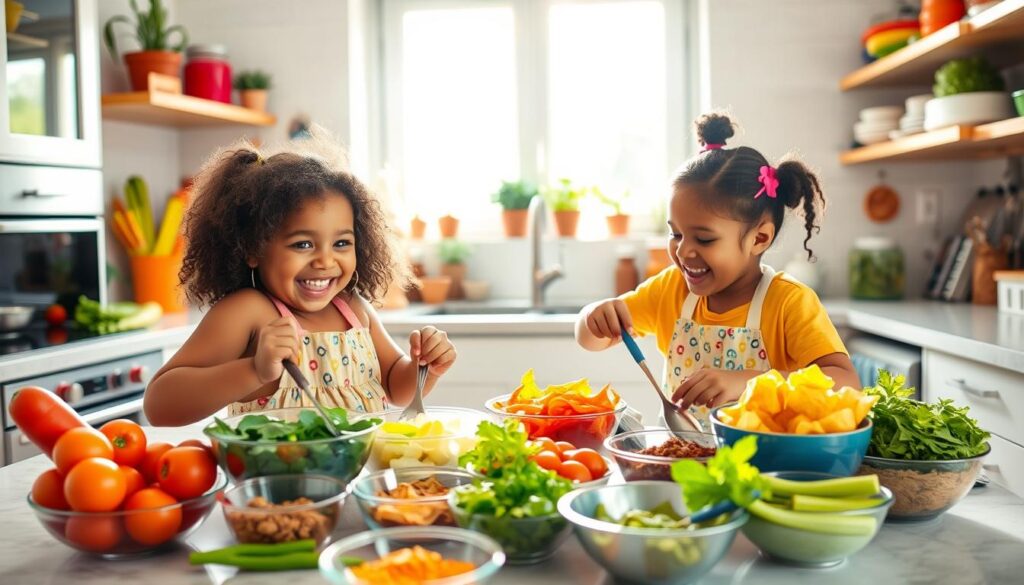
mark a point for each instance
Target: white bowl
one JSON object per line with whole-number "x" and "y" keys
{"x": 881, "y": 113}
{"x": 915, "y": 104}
{"x": 875, "y": 127}
{"x": 976, "y": 107}
{"x": 476, "y": 290}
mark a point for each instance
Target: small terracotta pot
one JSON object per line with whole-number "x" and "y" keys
{"x": 565, "y": 222}
{"x": 142, "y": 63}
{"x": 618, "y": 225}
{"x": 515, "y": 222}
{"x": 457, "y": 272}
{"x": 254, "y": 99}
{"x": 417, "y": 228}
{"x": 449, "y": 225}
{"x": 434, "y": 289}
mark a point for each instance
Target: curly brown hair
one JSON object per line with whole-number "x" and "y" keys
{"x": 243, "y": 195}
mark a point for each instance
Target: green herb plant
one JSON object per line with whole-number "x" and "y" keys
{"x": 514, "y": 195}
{"x": 612, "y": 201}
{"x": 905, "y": 428}
{"x": 515, "y": 488}
{"x": 967, "y": 75}
{"x": 454, "y": 251}
{"x": 563, "y": 196}
{"x": 255, "y": 79}
{"x": 150, "y": 29}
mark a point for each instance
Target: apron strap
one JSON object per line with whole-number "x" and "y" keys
{"x": 757, "y": 303}
{"x": 689, "y": 305}
{"x": 285, "y": 312}
{"x": 347, "y": 312}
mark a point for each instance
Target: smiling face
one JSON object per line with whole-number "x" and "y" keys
{"x": 312, "y": 257}
{"x": 714, "y": 251}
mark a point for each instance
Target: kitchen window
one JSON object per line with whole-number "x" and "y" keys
{"x": 477, "y": 91}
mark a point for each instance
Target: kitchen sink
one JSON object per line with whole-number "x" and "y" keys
{"x": 458, "y": 309}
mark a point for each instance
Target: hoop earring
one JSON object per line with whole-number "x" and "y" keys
{"x": 252, "y": 277}
{"x": 354, "y": 282}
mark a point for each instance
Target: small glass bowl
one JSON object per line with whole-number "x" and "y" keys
{"x": 384, "y": 512}
{"x": 582, "y": 430}
{"x": 109, "y": 534}
{"x": 392, "y": 450}
{"x": 526, "y": 541}
{"x": 452, "y": 543}
{"x": 625, "y": 450}
{"x": 316, "y": 521}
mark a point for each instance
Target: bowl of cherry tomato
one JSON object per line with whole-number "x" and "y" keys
{"x": 585, "y": 467}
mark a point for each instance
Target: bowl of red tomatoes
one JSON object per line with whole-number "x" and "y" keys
{"x": 584, "y": 467}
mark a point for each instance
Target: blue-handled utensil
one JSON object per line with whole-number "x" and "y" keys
{"x": 718, "y": 509}
{"x": 678, "y": 421}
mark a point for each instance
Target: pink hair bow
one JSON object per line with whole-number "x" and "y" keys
{"x": 770, "y": 182}
{"x": 708, "y": 147}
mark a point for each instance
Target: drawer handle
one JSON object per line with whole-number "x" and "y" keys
{"x": 35, "y": 193}
{"x": 962, "y": 385}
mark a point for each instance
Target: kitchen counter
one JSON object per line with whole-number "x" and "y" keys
{"x": 978, "y": 541}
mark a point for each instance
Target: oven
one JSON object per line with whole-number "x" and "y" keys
{"x": 98, "y": 392}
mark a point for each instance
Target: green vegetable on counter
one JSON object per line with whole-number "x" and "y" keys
{"x": 116, "y": 317}
{"x": 905, "y": 428}
{"x": 729, "y": 476}
{"x": 283, "y": 556}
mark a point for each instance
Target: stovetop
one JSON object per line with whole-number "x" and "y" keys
{"x": 41, "y": 335}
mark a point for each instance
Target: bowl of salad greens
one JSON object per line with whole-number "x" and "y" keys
{"x": 292, "y": 440}
{"x": 518, "y": 508}
{"x": 928, "y": 453}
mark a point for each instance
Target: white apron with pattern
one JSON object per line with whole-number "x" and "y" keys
{"x": 341, "y": 367}
{"x": 695, "y": 346}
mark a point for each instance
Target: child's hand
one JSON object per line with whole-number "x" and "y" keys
{"x": 607, "y": 319}
{"x": 712, "y": 388}
{"x": 278, "y": 341}
{"x": 430, "y": 347}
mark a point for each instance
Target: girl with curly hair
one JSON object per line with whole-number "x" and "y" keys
{"x": 722, "y": 317}
{"x": 289, "y": 250}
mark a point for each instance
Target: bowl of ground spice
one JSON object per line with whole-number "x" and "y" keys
{"x": 648, "y": 454}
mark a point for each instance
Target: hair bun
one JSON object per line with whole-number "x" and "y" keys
{"x": 714, "y": 128}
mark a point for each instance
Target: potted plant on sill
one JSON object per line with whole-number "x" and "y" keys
{"x": 618, "y": 222}
{"x": 564, "y": 200}
{"x": 158, "y": 55}
{"x": 454, "y": 254}
{"x": 514, "y": 198}
{"x": 252, "y": 89}
{"x": 967, "y": 91}
{"x": 449, "y": 226}
{"x": 417, "y": 228}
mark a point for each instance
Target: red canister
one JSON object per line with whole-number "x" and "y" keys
{"x": 208, "y": 73}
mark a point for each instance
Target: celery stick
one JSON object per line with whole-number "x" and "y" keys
{"x": 842, "y": 487}
{"x": 805, "y": 503}
{"x": 821, "y": 523}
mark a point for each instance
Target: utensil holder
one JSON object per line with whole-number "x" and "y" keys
{"x": 155, "y": 278}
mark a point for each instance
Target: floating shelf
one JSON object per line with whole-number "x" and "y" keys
{"x": 998, "y": 33}
{"x": 996, "y": 140}
{"x": 18, "y": 39}
{"x": 165, "y": 105}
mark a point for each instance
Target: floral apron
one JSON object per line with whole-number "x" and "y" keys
{"x": 341, "y": 367}
{"x": 695, "y": 346}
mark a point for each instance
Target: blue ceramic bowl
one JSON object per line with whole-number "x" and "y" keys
{"x": 834, "y": 453}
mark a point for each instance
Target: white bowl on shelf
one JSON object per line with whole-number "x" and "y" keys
{"x": 977, "y": 107}
{"x": 915, "y": 104}
{"x": 875, "y": 127}
{"x": 881, "y": 114}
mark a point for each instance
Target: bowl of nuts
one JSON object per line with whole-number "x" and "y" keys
{"x": 648, "y": 454}
{"x": 283, "y": 508}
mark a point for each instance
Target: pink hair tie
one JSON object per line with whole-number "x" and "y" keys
{"x": 708, "y": 147}
{"x": 770, "y": 182}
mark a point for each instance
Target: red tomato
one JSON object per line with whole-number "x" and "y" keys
{"x": 56, "y": 315}
{"x": 235, "y": 465}
{"x": 151, "y": 460}
{"x": 94, "y": 533}
{"x": 128, "y": 439}
{"x": 564, "y": 446}
{"x": 546, "y": 444}
{"x": 133, "y": 480}
{"x": 575, "y": 471}
{"x": 48, "y": 491}
{"x": 547, "y": 460}
{"x": 160, "y": 520}
{"x": 95, "y": 485}
{"x": 186, "y": 472}
{"x": 78, "y": 445}
{"x": 201, "y": 445}
{"x": 593, "y": 461}
{"x": 42, "y": 416}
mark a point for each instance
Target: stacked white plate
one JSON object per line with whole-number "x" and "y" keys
{"x": 912, "y": 122}
{"x": 876, "y": 123}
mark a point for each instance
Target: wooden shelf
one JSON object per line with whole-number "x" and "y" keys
{"x": 18, "y": 39}
{"x": 995, "y": 140}
{"x": 183, "y": 111}
{"x": 998, "y": 33}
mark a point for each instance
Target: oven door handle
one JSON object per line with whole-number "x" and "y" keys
{"x": 35, "y": 193}
{"x": 118, "y": 411}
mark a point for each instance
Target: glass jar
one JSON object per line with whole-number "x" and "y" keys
{"x": 876, "y": 269}
{"x": 208, "y": 73}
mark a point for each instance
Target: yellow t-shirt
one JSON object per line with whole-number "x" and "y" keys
{"x": 794, "y": 325}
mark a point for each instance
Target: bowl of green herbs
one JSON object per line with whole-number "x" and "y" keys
{"x": 518, "y": 507}
{"x": 292, "y": 440}
{"x": 928, "y": 454}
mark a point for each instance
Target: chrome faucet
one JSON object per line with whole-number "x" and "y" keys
{"x": 540, "y": 278}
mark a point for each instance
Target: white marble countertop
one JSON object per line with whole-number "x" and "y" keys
{"x": 979, "y": 541}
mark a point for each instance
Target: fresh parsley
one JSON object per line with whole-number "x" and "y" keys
{"x": 910, "y": 429}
